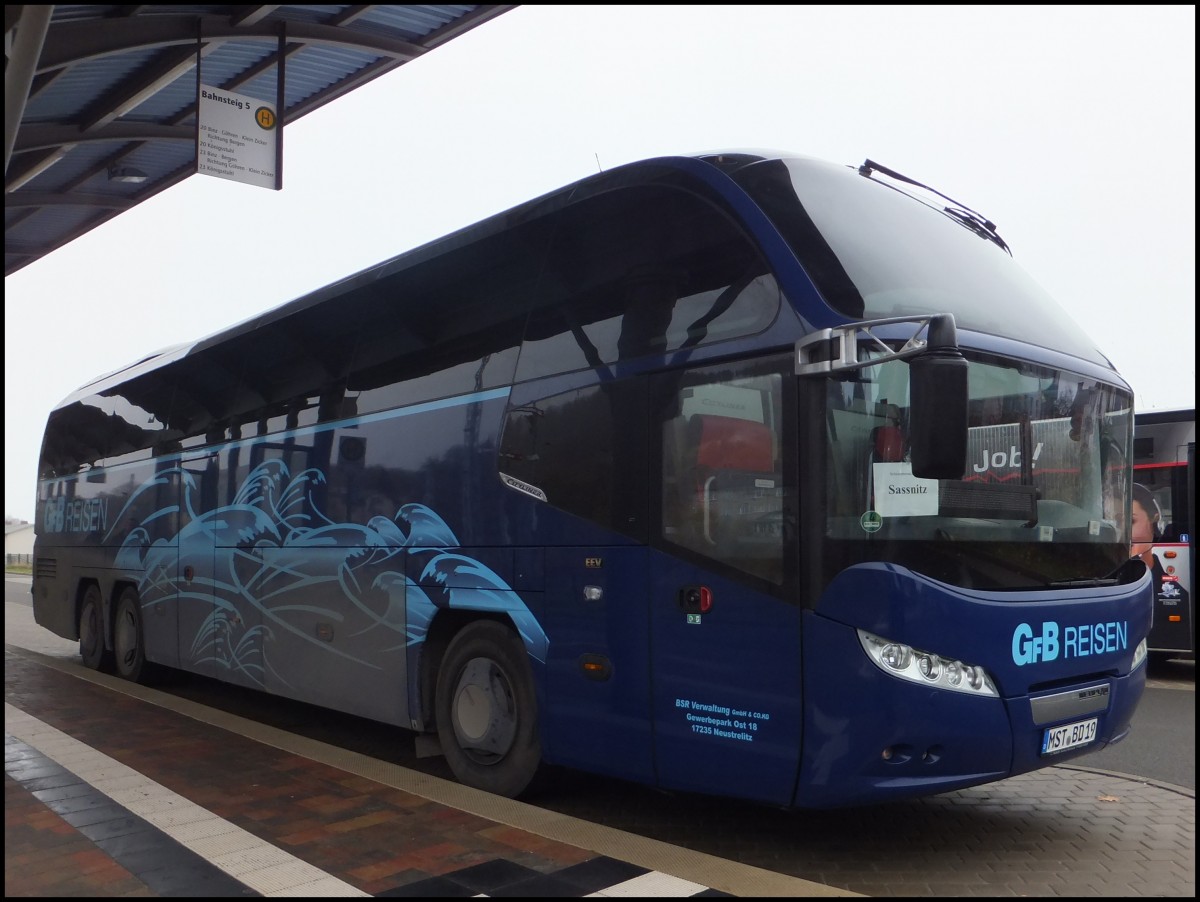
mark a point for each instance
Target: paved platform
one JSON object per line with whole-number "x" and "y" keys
{"x": 113, "y": 789}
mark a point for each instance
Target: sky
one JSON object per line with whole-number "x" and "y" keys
{"x": 1073, "y": 128}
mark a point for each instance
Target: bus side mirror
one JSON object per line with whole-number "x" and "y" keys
{"x": 938, "y": 406}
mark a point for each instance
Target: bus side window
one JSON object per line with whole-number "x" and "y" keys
{"x": 732, "y": 456}
{"x": 722, "y": 486}
{"x": 675, "y": 489}
{"x": 584, "y": 449}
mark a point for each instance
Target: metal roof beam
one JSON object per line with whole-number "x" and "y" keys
{"x": 36, "y": 168}
{"x": 19, "y": 67}
{"x": 73, "y": 42}
{"x": 37, "y": 251}
{"x": 39, "y": 199}
{"x": 39, "y": 137}
{"x": 252, "y": 15}
{"x": 138, "y": 90}
{"x": 345, "y": 16}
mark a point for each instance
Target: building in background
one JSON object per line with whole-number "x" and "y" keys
{"x": 18, "y": 541}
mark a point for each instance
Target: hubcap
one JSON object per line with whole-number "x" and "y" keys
{"x": 89, "y": 629}
{"x": 484, "y": 711}
{"x": 125, "y": 638}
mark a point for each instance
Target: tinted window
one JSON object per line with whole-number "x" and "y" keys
{"x": 645, "y": 270}
{"x": 210, "y": 394}
{"x": 141, "y": 407}
{"x": 445, "y": 326}
{"x": 76, "y": 435}
{"x": 724, "y": 487}
{"x": 114, "y": 425}
{"x": 585, "y": 450}
{"x": 295, "y": 360}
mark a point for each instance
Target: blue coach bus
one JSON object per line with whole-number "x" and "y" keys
{"x": 743, "y": 474}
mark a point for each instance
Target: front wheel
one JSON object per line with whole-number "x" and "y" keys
{"x": 129, "y": 644}
{"x": 487, "y": 710}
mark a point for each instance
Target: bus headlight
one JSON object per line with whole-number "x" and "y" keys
{"x": 929, "y": 669}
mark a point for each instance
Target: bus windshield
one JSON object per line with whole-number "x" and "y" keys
{"x": 876, "y": 253}
{"x": 1042, "y": 501}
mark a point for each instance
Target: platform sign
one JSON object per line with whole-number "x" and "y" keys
{"x": 237, "y": 137}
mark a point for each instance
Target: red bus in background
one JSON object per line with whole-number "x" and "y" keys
{"x": 1165, "y": 468}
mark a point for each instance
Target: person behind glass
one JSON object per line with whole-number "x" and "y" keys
{"x": 1146, "y": 523}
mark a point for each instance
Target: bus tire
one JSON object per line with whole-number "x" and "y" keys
{"x": 487, "y": 710}
{"x": 129, "y": 644}
{"x": 92, "y": 650}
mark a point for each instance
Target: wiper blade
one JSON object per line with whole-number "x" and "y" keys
{"x": 1083, "y": 583}
{"x": 976, "y": 222}
{"x": 982, "y": 227}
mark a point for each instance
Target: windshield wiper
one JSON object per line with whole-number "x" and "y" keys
{"x": 1083, "y": 583}
{"x": 982, "y": 227}
{"x": 976, "y": 222}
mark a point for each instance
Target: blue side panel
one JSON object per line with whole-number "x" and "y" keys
{"x": 726, "y": 687}
{"x": 149, "y": 526}
{"x": 312, "y": 564}
{"x": 99, "y": 526}
{"x": 596, "y": 611}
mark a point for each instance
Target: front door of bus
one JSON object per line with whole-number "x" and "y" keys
{"x": 725, "y": 655}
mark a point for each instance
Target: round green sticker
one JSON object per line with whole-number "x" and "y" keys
{"x": 870, "y": 521}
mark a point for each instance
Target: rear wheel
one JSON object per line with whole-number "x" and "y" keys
{"x": 487, "y": 710}
{"x": 91, "y": 631}
{"x": 129, "y": 649}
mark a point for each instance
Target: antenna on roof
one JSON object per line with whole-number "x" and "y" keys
{"x": 598, "y": 166}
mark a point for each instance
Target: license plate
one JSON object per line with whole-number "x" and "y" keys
{"x": 1068, "y": 736}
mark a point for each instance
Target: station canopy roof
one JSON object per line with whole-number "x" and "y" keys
{"x": 100, "y": 100}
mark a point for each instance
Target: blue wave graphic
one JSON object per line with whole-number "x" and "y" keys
{"x": 271, "y": 558}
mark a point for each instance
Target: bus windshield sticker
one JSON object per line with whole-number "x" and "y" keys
{"x": 870, "y": 521}
{"x": 900, "y": 494}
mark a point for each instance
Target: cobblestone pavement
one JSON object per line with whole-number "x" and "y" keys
{"x": 113, "y": 789}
